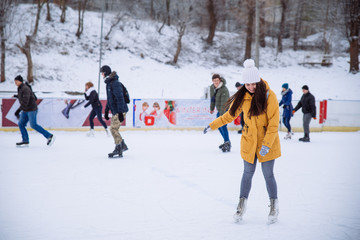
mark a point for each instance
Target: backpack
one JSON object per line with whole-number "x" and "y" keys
{"x": 126, "y": 94}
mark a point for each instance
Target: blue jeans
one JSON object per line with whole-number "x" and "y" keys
{"x": 96, "y": 112}
{"x": 26, "y": 117}
{"x": 286, "y": 121}
{"x": 268, "y": 172}
{"x": 224, "y": 131}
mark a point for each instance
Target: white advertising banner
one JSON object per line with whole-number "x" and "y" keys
{"x": 172, "y": 113}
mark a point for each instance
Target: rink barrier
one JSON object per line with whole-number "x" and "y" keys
{"x": 180, "y": 114}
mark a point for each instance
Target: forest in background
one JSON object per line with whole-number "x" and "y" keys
{"x": 280, "y": 25}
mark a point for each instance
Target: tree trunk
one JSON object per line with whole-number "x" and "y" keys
{"x": 262, "y": 25}
{"x": 63, "y": 10}
{"x": 37, "y": 20}
{"x": 181, "y": 32}
{"x": 81, "y": 8}
{"x": 352, "y": 23}
{"x": 249, "y": 30}
{"x": 213, "y": 21}
{"x": 284, "y": 4}
{"x": 48, "y": 15}
{"x": 152, "y": 12}
{"x": 298, "y": 23}
{"x": 168, "y": 12}
{"x": 25, "y": 49}
{"x": 3, "y": 49}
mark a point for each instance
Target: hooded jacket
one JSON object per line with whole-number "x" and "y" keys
{"x": 219, "y": 96}
{"x": 286, "y": 100}
{"x": 115, "y": 95}
{"x": 258, "y": 130}
{"x": 26, "y": 98}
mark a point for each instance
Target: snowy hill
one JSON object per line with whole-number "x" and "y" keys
{"x": 62, "y": 62}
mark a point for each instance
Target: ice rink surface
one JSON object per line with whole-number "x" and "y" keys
{"x": 174, "y": 185}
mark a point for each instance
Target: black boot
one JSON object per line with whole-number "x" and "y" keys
{"x": 117, "y": 152}
{"x": 123, "y": 146}
{"x": 306, "y": 138}
{"x": 226, "y": 147}
{"x": 22, "y": 144}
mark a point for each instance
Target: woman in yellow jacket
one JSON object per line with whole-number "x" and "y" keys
{"x": 260, "y": 138}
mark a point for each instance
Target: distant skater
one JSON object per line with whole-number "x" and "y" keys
{"x": 307, "y": 104}
{"x": 288, "y": 108}
{"x": 28, "y": 113}
{"x": 93, "y": 99}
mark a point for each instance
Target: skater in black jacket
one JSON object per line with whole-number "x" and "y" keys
{"x": 307, "y": 103}
{"x": 116, "y": 103}
{"x": 28, "y": 113}
{"x": 93, "y": 99}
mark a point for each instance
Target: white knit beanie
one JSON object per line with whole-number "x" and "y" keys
{"x": 251, "y": 73}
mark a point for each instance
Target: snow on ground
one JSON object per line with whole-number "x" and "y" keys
{"x": 174, "y": 185}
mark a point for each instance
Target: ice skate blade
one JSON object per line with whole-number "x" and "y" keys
{"x": 22, "y": 146}
{"x": 237, "y": 218}
{"x": 115, "y": 156}
{"x": 271, "y": 221}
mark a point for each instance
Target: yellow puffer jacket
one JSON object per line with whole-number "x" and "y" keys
{"x": 257, "y": 131}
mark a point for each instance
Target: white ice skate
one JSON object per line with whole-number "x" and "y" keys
{"x": 274, "y": 211}
{"x": 90, "y": 133}
{"x": 241, "y": 209}
{"x": 288, "y": 135}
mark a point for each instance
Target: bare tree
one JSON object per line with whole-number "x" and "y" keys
{"x": 26, "y": 47}
{"x": 48, "y": 14}
{"x": 213, "y": 21}
{"x": 62, "y": 4}
{"x": 114, "y": 23}
{"x": 352, "y": 22}
{"x": 6, "y": 7}
{"x": 262, "y": 25}
{"x": 183, "y": 10}
{"x": 81, "y": 10}
{"x": 284, "y": 6}
{"x": 298, "y": 23}
{"x": 167, "y": 3}
{"x": 250, "y": 5}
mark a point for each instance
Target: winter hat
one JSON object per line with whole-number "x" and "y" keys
{"x": 251, "y": 73}
{"x": 237, "y": 84}
{"x": 19, "y": 78}
{"x": 305, "y": 87}
{"x": 106, "y": 70}
{"x": 285, "y": 85}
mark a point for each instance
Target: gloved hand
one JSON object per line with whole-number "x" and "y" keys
{"x": 264, "y": 150}
{"x": 106, "y": 116}
{"x": 15, "y": 96}
{"x": 121, "y": 117}
{"x": 206, "y": 129}
{"x": 17, "y": 113}
{"x": 293, "y": 112}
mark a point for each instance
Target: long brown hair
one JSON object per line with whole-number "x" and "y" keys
{"x": 258, "y": 103}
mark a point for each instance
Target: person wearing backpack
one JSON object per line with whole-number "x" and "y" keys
{"x": 28, "y": 112}
{"x": 116, "y": 102}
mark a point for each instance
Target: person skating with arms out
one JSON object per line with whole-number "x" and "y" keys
{"x": 28, "y": 112}
{"x": 219, "y": 94}
{"x": 260, "y": 139}
{"x": 116, "y": 103}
